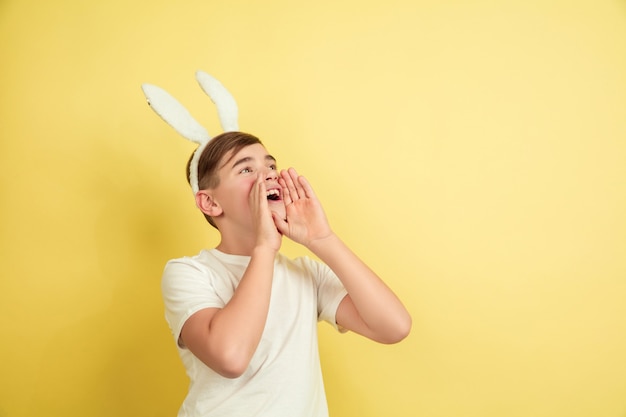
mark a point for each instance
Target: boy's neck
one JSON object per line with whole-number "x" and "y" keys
{"x": 242, "y": 250}
{"x": 240, "y": 245}
{"x": 236, "y": 239}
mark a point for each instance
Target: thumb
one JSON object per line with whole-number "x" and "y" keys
{"x": 281, "y": 224}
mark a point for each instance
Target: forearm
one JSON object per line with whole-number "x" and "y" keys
{"x": 235, "y": 330}
{"x": 371, "y": 309}
{"x": 378, "y": 307}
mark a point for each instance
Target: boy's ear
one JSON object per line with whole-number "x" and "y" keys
{"x": 206, "y": 203}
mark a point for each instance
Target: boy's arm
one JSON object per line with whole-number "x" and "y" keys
{"x": 370, "y": 308}
{"x": 225, "y": 339}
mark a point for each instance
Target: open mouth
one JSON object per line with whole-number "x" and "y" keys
{"x": 273, "y": 195}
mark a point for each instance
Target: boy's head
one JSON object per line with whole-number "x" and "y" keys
{"x": 216, "y": 149}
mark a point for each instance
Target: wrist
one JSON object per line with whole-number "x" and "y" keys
{"x": 264, "y": 251}
{"x": 320, "y": 244}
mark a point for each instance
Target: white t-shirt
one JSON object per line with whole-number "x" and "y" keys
{"x": 284, "y": 378}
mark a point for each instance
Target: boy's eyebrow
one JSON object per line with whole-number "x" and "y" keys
{"x": 245, "y": 159}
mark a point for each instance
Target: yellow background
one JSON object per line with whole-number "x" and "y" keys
{"x": 474, "y": 153}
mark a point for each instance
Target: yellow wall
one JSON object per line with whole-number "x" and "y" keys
{"x": 473, "y": 152}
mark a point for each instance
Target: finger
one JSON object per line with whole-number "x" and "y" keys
{"x": 306, "y": 186}
{"x": 258, "y": 193}
{"x": 280, "y": 224}
{"x": 285, "y": 191}
{"x": 293, "y": 175}
{"x": 291, "y": 186}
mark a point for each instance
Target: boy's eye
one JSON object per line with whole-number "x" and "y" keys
{"x": 245, "y": 171}
{"x": 273, "y": 167}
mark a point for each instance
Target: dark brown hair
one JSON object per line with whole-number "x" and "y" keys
{"x": 209, "y": 163}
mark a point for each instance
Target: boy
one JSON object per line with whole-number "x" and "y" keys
{"x": 244, "y": 316}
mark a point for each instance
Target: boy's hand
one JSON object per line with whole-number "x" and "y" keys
{"x": 306, "y": 221}
{"x": 266, "y": 232}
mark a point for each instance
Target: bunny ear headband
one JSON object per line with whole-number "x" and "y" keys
{"x": 177, "y": 116}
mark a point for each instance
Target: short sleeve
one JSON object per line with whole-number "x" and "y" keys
{"x": 330, "y": 293}
{"x": 187, "y": 287}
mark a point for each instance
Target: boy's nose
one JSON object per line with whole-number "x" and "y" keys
{"x": 272, "y": 174}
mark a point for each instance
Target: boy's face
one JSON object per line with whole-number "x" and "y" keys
{"x": 237, "y": 174}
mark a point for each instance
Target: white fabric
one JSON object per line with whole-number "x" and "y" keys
{"x": 284, "y": 378}
{"x": 177, "y": 116}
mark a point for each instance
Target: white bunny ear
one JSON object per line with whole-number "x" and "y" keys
{"x": 175, "y": 114}
{"x": 226, "y": 105}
